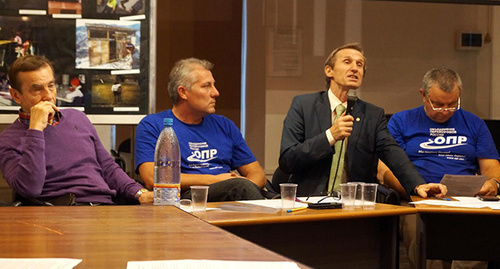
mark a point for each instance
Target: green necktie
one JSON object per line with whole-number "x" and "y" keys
{"x": 337, "y": 167}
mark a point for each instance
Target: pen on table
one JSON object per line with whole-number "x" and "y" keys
{"x": 441, "y": 198}
{"x": 296, "y": 209}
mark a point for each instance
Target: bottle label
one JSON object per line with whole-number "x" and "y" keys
{"x": 168, "y": 186}
{"x": 167, "y": 194}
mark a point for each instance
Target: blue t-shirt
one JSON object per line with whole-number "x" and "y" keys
{"x": 436, "y": 149}
{"x": 213, "y": 147}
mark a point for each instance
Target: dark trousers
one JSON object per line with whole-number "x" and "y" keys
{"x": 233, "y": 189}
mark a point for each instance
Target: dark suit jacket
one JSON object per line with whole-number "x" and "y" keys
{"x": 307, "y": 156}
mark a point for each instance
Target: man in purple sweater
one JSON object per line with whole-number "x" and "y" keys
{"x": 48, "y": 153}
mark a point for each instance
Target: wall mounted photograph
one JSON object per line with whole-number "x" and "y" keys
{"x": 121, "y": 7}
{"x": 5, "y": 98}
{"x": 71, "y": 90}
{"x": 65, "y": 6}
{"x": 20, "y": 36}
{"x": 107, "y": 44}
{"x": 115, "y": 91}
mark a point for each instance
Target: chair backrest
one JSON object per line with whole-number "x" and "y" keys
{"x": 119, "y": 160}
{"x": 387, "y": 195}
{"x": 279, "y": 176}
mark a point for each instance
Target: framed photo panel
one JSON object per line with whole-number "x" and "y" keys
{"x": 91, "y": 43}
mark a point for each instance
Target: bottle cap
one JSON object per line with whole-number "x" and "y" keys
{"x": 168, "y": 121}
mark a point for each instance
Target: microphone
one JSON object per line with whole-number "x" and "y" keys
{"x": 352, "y": 97}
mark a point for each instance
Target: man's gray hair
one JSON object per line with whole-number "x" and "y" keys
{"x": 182, "y": 75}
{"x": 442, "y": 77}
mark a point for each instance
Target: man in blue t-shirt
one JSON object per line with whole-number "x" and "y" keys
{"x": 440, "y": 138}
{"x": 211, "y": 145}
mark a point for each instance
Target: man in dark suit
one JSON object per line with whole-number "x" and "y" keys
{"x": 310, "y": 133}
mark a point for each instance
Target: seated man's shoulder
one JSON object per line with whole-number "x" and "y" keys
{"x": 309, "y": 96}
{"x": 404, "y": 114}
{"x": 73, "y": 113}
{"x": 223, "y": 121}
{"x": 217, "y": 117}
{"x": 11, "y": 132}
{"x": 156, "y": 118}
{"x": 468, "y": 114}
{"x": 368, "y": 108}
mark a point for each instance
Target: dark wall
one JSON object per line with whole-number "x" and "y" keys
{"x": 494, "y": 126}
{"x": 203, "y": 29}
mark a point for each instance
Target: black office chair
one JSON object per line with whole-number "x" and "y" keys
{"x": 123, "y": 147}
{"x": 118, "y": 159}
{"x": 279, "y": 176}
{"x": 269, "y": 192}
{"x": 272, "y": 189}
{"x": 387, "y": 195}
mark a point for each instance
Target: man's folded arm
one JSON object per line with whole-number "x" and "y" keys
{"x": 146, "y": 170}
{"x": 112, "y": 173}
{"x": 387, "y": 178}
{"x": 24, "y": 167}
{"x": 395, "y": 158}
{"x": 253, "y": 172}
{"x": 298, "y": 154}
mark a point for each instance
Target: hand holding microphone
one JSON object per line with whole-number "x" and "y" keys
{"x": 342, "y": 127}
{"x": 352, "y": 97}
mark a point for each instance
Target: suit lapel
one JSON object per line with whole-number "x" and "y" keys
{"x": 358, "y": 114}
{"x": 323, "y": 112}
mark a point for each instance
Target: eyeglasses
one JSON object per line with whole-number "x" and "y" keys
{"x": 440, "y": 109}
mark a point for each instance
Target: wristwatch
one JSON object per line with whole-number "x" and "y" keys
{"x": 140, "y": 192}
{"x": 497, "y": 182}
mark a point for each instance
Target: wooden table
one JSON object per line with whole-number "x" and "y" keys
{"x": 110, "y": 236}
{"x": 452, "y": 233}
{"x": 321, "y": 238}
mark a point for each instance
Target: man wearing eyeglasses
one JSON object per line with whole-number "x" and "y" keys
{"x": 441, "y": 138}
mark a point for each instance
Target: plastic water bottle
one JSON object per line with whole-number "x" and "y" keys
{"x": 167, "y": 174}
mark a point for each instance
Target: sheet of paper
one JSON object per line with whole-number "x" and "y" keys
{"x": 463, "y": 185}
{"x": 274, "y": 203}
{"x": 48, "y": 263}
{"x": 476, "y": 201}
{"x": 209, "y": 264}
{"x": 462, "y": 201}
{"x": 248, "y": 207}
{"x": 189, "y": 209}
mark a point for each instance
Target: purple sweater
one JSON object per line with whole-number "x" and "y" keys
{"x": 64, "y": 158}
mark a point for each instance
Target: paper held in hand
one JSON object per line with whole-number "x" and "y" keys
{"x": 463, "y": 185}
